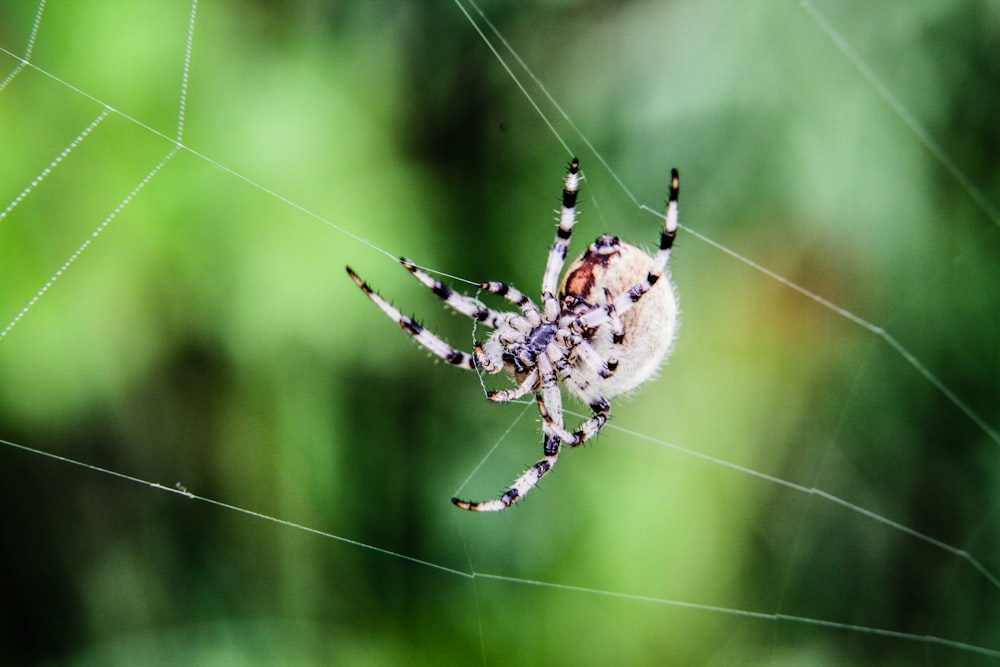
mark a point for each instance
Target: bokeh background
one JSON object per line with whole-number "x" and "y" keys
{"x": 209, "y": 338}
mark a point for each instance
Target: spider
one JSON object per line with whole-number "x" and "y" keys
{"x": 603, "y": 331}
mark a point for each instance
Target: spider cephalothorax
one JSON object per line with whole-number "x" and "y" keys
{"x": 604, "y": 330}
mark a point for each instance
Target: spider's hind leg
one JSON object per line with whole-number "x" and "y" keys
{"x": 597, "y": 403}
{"x": 516, "y": 297}
{"x": 527, "y": 481}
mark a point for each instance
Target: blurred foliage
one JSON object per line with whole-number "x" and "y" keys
{"x": 208, "y": 336}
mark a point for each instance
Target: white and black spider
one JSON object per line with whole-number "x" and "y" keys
{"x": 604, "y": 330}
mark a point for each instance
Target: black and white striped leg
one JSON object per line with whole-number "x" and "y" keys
{"x": 550, "y": 408}
{"x": 522, "y": 484}
{"x": 557, "y": 255}
{"x": 506, "y": 395}
{"x": 549, "y": 400}
{"x": 592, "y": 426}
{"x": 426, "y": 339}
{"x": 589, "y": 356}
{"x": 459, "y": 302}
{"x": 597, "y": 403}
{"x": 553, "y": 424}
{"x": 627, "y": 299}
{"x": 617, "y": 335}
{"x": 599, "y": 316}
{"x": 512, "y": 294}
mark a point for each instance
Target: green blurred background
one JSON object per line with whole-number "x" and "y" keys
{"x": 208, "y": 337}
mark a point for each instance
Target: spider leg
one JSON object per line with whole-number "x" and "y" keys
{"x": 557, "y": 255}
{"x": 505, "y": 395}
{"x": 627, "y": 299}
{"x": 551, "y": 423}
{"x": 589, "y": 356}
{"x": 624, "y": 301}
{"x": 424, "y": 337}
{"x": 597, "y": 403}
{"x": 459, "y": 302}
{"x": 617, "y": 336}
{"x": 550, "y": 407}
{"x": 550, "y": 401}
{"x": 521, "y": 485}
{"x": 512, "y": 294}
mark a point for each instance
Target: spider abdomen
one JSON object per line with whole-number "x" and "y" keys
{"x": 612, "y": 267}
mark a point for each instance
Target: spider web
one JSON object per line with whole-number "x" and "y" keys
{"x": 812, "y": 478}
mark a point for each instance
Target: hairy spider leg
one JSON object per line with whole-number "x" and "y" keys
{"x": 587, "y": 355}
{"x": 596, "y": 401}
{"x": 557, "y": 254}
{"x": 507, "y": 395}
{"x": 522, "y": 484}
{"x": 627, "y": 299}
{"x": 550, "y": 408}
{"x": 459, "y": 302}
{"x": 529, "y": 479}
{"x": 624, "y": 301}
{"x": 549, "y": 402}
{"x": 424, "y": 337}
{"x": 617, "y": 335}
{"x": 516, "y": 297}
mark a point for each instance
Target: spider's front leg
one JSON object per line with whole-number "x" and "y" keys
{"x": 459, "y": 302}
{"x": 557, "y": 254}
{"x": 630, "y": 297}
{"x": 516, "y": 297}
{"x": 424, "y": 337}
